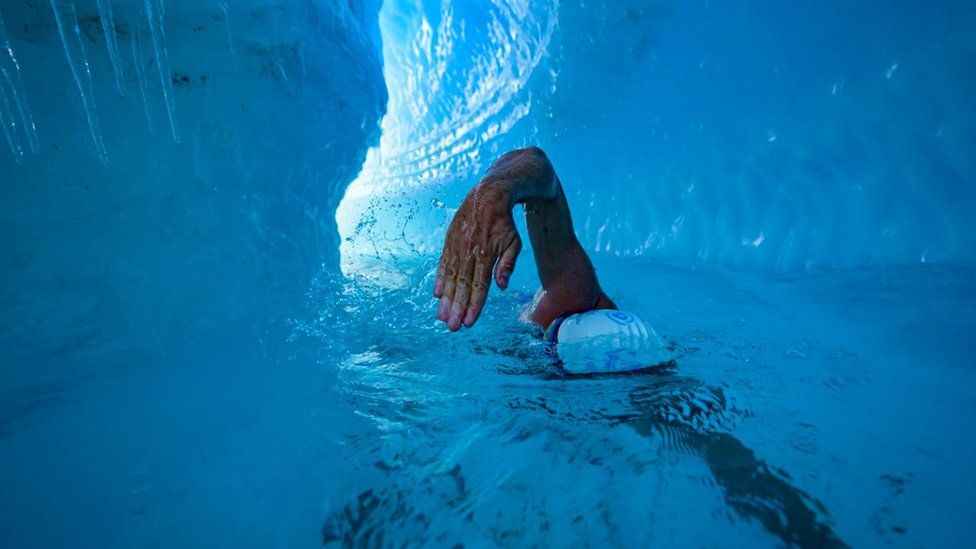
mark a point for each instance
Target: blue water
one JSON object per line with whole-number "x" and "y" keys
{"x": 219, "y": 221}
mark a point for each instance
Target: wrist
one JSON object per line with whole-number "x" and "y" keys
{"x": 497, "y": 190}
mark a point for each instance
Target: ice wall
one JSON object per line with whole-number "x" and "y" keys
{"x": 786, "y": 136}
{"x": 172, "y": 168}
{"x": 169, "y": 171}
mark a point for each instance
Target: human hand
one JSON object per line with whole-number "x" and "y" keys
{"x": 481, "y": 239}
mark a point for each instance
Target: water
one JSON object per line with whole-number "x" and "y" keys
{"x": 216, "y": 320}
{"x": 784, "y": 420}
{"x": 801, "y": 410}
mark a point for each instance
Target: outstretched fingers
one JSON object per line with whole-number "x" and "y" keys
{"x": 479, "y": 290}
{"x": 441, "y": 275}
{"x": 449, "y": 263}
{"x": 506, "y": 264}
{"x": 462, "y": 293}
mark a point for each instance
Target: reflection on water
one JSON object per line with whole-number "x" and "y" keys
{"x": 475, "y": 436}
{"x": 805, "y": 411}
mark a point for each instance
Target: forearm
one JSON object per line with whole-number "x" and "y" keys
{"x": 527, "y": 177}
{"x": 482, "y": 241}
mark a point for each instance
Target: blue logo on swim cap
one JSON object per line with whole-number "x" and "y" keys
{"x": 620, "y": 317}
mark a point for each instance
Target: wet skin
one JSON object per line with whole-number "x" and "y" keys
{"x": 482, "y": 243}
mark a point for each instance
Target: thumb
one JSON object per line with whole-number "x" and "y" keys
{"x": 506, "y": 263}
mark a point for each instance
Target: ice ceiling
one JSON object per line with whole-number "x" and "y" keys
{"x": 752, "y": 133}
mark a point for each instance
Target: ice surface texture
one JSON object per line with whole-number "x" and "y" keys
{"x": 173, "y": 160}
{"x": 757, "y": 134}
{"x": 203, "y": 196}
{"x": 172, "y": 176}
{"x": 745, "y": 133}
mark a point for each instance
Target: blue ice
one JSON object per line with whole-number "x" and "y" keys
{"x": 219, "y": 220}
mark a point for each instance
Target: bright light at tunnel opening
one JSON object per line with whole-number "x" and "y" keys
{"x": 351, "y": 212}
{"x": 448, "y": 100}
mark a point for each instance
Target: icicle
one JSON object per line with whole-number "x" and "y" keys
{"x": 140, "y": 74}
{"x": 111, "y": 41}
{"x": 74, "y": 50}
{"x": 9, "y": 126}
{"x": 23, "y": 109}
{"x": 155, "y": 17}
{"x": 11, "y": 74}
{"x": 230, "y": 35}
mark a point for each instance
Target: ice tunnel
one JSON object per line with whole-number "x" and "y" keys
{"x": 830, "y": 136}
{"x": 219, "y": 219}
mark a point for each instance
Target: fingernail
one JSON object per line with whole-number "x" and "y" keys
{"x": 469, "y": 318}
{"x": 443, "y": 308}
{"x": 454, "y": 322}
{"x": 439, "y": 288}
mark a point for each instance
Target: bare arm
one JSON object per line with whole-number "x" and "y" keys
{"x": 482, "y": 238}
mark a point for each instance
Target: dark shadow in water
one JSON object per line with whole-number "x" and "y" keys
{"x": 686, "y": 413}
{"x": 751, "y": 487}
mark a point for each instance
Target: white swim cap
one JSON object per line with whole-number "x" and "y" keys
{"x": 605, "y": 341}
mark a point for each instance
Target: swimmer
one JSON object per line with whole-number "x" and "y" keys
{"x": 482, "y": 243}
